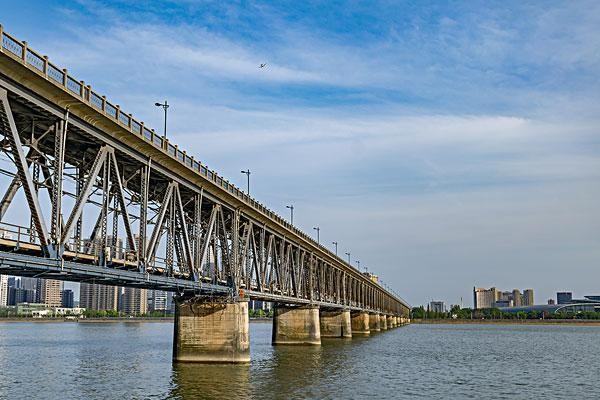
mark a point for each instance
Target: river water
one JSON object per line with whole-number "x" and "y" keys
{"x": 133, "y": 361}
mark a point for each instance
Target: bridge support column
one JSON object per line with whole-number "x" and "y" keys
{"x": 296, "y": 325}
{"x": 383, "y": 322}
{"x": 335, "y": 324}
{"x": 390, "y": 322}
{"x": 374, "y": 322}
{"x": 360, "y": 323}
{"x": 211, "y": 332}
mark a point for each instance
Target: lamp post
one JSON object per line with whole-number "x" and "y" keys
{"x": 165, "y": 107}
{"x": 348, "y": 254}
{"x": 247, "y": 173}
{"x": 358, "y": 263}
{"x": 335, "y": 244}
{"x": 291, "y": 207}
{"x": 316, "y": 228}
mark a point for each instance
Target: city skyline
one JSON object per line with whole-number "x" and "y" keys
{"x": 472, "y": 137}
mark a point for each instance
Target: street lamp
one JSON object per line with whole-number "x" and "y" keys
{"x": 335, "y": 244}
{"x": 358, "y": 263}
{"x": 247, "y": 173}
{"x": 291, "y": 207}
{"x": 316, "y": 228}
{"x": 348, "y": 254}
{"x": 165, "y": 107}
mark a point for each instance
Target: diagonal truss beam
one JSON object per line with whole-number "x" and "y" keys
{"x": 23, "y": 171}
{"x": 183, "y": 227}
{"x": 78, "y": 209}
{"x": 122, "y": 205}
{"x": 151, "y": 250}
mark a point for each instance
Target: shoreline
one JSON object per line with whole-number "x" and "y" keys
{"x": 587, "y": 322}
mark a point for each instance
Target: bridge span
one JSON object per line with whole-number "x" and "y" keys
{"x": 107, "y": 200}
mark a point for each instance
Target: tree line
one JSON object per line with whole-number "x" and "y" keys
{"x": 494, "y": 313}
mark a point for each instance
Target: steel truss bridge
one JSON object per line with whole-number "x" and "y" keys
{"x": 109, "y": 201}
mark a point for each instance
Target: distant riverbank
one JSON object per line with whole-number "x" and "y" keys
{"x": 90, "y": 320}
{"x": 114, "y": 319}
{"x": 588, "y": 322}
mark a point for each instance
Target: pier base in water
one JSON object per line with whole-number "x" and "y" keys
{"x": 360, "y": 323}
{"x": 211, "y": 332}
{"x": 374, "y": 322}
{"x": 383, "y": 322}
{"x": 335, "y": 324}
{"x": 296, "y": 325}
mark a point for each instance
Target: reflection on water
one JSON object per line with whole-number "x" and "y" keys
{"x": 210, "y": 381}
{"x": 133, "y": 361}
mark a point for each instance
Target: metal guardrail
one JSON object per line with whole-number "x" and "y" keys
{"x": 60, "y": 77}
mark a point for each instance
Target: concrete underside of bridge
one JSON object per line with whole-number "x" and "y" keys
{"x": 360, "y": 323}
{"x": 374, "y": 322}
{"x": 211, "y": 332}
{"x": 296, "y": 325}
{"x": 383, "y": 322}
{"x": 335, "y": 324}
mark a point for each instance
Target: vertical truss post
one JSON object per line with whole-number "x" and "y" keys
{"x": 78, "y": 191}
{"x": 170, "y": 236}
{"x": 142, "y": 242}
{"x": 197, "y": 235}
{"x": 235, "y": 259}
{"x": 60, "y": 137}
{"x": 36, "y": 180}
{"x": 104, "y": 254}
{"x": 115, "y": 228}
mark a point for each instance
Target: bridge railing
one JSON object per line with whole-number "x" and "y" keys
{"x": 16, "y": 233}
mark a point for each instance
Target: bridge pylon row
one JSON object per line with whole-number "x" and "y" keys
{"x": 216, "y": 330}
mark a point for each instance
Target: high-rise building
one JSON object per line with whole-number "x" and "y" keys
{"x": 18, "y": 295}
{"x": 3, "y": 290}
{"x": 564, "y": 297}
{"x": 517, "y": 297}
{"x": 97, "y": 297}
{"x": 13, "y": 281}
{"x": 528, "y": 297}
{"x": 48, "y": 292}
{"x": 485, "y": 298}
{"x": 437, "y": 306}
{"x": 67, "y": 298}
{"x": 135, "y": 301}
{"x": 29, "y": 283}
{"x": 158, "y": 300}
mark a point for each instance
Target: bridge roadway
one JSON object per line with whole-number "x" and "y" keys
{"x": 102, "y": 178}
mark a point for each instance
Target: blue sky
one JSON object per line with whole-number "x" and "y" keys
{"x": 445, "y": 144}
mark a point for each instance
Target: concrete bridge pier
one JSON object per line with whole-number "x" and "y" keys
{"x": 335, "y": 324}
{"x": 374, "y": 322}
{"x": 296, "y": 325}
{"x": 390, "y": 322}
{"x": 211, "y": 331}
{"x": 383, "y": 322}
{"x": 360, "y": 323}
